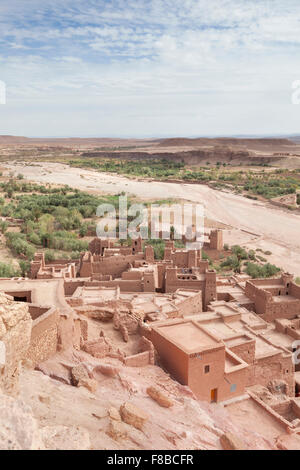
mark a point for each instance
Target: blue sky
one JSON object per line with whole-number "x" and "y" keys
{"x": 149, "y": 67}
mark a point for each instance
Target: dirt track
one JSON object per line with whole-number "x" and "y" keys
{"x": 270, "y": 228}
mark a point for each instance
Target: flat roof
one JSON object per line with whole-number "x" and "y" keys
{"x": 189, "y": 337}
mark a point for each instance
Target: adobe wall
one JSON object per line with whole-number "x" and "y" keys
{"x": 171, "y": 357}
{"x": 25, "y": 295}
{"x": 216, "y": 240}
{"x": 259, "y": 296}
{"x": 191, "y": 305}
{"x": 246, "y": 351}
{"x": 236, "y": 379}
{"x": 266, "y": 369}
{"x": 294, "y": 290}
{"x": 43, "y": 342}
{"x": 113, "y": 265}
{"x": 138, "y": 360}
{"x": 15, "y": 333}
{"x": 125, "y": 286}
{"x": 174, "y": 282}
{"x": 200, "y": 382}
{"x": 70, "y": 286}
{"x": 210, "y": 289}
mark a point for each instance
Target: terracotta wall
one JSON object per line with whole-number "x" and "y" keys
{"x": 202, "y": 383}
{"x": 171, "y": 357}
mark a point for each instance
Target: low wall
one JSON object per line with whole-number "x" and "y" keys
{"x": 43, "y": 343}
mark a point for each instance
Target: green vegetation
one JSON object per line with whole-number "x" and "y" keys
{"x": 150, "y": 167}
{"x": 7, "y": 270}
{"x": 241, "y": 258}
{"x": 252, "y": 182}
{"x": 257, "y": 271}
{"x": 53, "y": 218}
{"x": 158, "y": 247}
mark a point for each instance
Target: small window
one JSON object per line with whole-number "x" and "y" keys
{"x": 206, "y": 369}
{"x": 232, "y": 388}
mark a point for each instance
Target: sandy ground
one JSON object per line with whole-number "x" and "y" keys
{"x": 254, "y": 224}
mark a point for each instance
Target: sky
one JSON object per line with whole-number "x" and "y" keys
{"x": 149, "y": 68}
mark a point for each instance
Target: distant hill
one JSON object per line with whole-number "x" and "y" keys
{"x": 184, "y": 142}
{"x": 11, "y": 139}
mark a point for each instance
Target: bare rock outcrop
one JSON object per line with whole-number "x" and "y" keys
{"x": 107, "y": 369}
{"x": 113, "y": 413}
{"x": 81, "y": 377}
{"x": 116, "y": 430}
{"x": 160, "y": 397}
{"x": 18, "y": 429}
{"x": 230, "y": 441}
{"x": 133, "y": 415}
{"x": 65, "y": 438}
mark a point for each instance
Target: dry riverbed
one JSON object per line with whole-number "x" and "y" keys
{"x": 254, "y": 224}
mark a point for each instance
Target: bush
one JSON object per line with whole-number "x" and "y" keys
{"x": 256, "y": 271}
{"x": 206, "y": 257}
{"x": 3, "y": 226}
{"x": 49, "y": 256}
{"x": 252, "y": 255}
{"x": 158, "y": 247}
{"x": 231, "y": 262}
{"x": 240, "y": 252}
{"x": 17, "y": 243}
{"x": 6, "y": 270}
{"x": 24, "y": 267}
{"x": 34, "y": 238}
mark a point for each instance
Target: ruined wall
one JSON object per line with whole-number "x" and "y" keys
{"x": 266, "y": 369}
{"x": 43, "y": 341}
{"x": 15, "y": 333}
{"x": 259, "y": 296}
{"x": 138, "y": 360}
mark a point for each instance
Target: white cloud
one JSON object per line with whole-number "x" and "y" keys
{"x": 146, "y": 67}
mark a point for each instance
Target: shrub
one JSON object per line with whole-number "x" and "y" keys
{"x": 34, "y": 238}
{"x": 3, "y": 226}
{"x": 256, "y": 271}
{"x": 240, "y": 252}
{"x": 7, "y": 270}
{"x": 231, "y": 262}
{"x": 24, "y": 267}
{"x": 17, "y": 243}
{"x": 49, "y": 255}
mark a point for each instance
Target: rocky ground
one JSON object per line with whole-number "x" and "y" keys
{"x": 128, "y": 408}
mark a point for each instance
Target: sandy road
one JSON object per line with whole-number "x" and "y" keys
{"x": 277, "y": 230}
